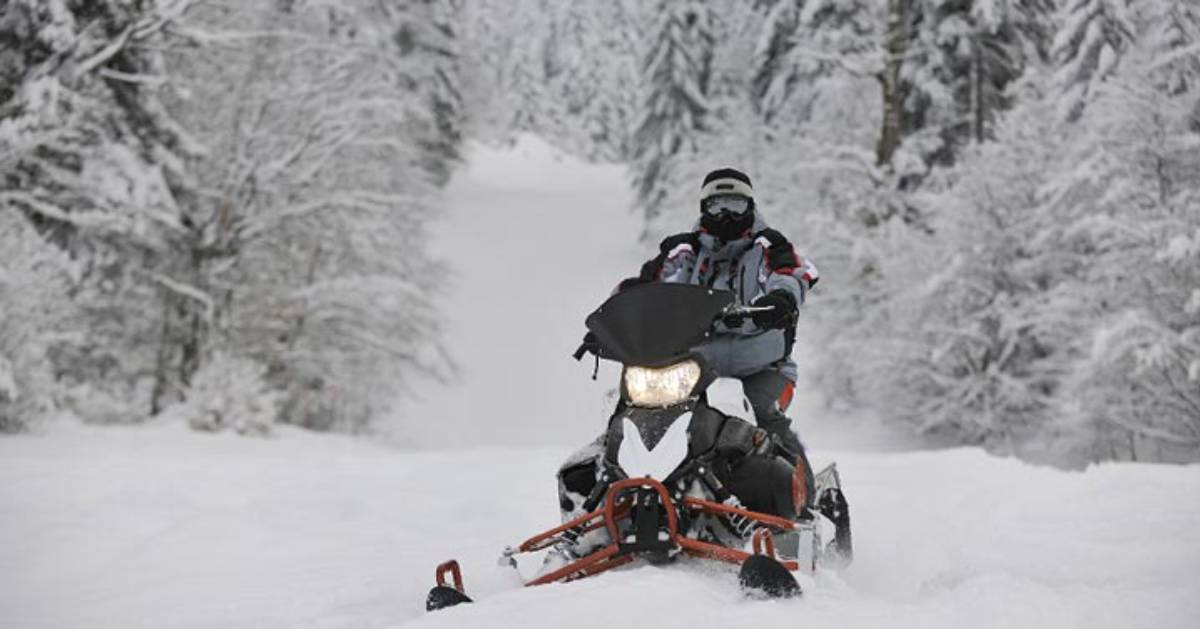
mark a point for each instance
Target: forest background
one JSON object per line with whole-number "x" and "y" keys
{"x": 218, "y": 210}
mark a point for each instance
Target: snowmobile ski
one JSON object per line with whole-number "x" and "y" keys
{"x": 443, "y": 595}
{"x": 765, "y": 576}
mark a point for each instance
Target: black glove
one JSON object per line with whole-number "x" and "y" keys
{"x": 780, "y": 253}
{"x": 686, "y": 238}
{"x": 733, "y": 321}
{"x": 781, "y": 314}
{"x": 832, "y": 504}
{"x": 781, "y": 257}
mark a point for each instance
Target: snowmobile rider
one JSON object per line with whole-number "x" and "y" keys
{"x": 732, "y": 248}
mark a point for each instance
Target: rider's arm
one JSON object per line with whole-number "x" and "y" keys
{"x": 672, "y": 264}
{"x": 787, "y": 281}
{"x": 782, "y": 260}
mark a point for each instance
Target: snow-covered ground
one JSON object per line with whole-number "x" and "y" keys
{"x": 156, "y": 526}
{"x": 160, "y": 527}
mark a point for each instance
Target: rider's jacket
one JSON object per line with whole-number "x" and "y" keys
{"x": 754, "y": 265}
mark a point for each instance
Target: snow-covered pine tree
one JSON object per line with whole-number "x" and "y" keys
{"x": 735, "y": 131}
{"x": 533, "y": 68}
{"x": 1091, "y": 38}
{"x": 1053, "y": 304}
{"x": 819, "y": 76}
{"x": 596, "y": 103}
{"x": 774, "y": 78}
{"x": 431, "y": 30}
{"x": 35, "y": 285}
{"x": 942, "y": 65}
{"x": 964, "y": 55}
{"x": 983, "y": 334}
{"x": 307, "y": 248}
{"x": 1173, "y": 28}
{"x": 1131, "y": 198}
{"x": 90, "y": 157}
{"x": 610, "y": 117}
{"x": 484, "y": 40}
{"x": 836, "y": 76}
{"x": 525, "y": 58}
{"x": 675, "y": 101}
{"x": 801, "y": 43}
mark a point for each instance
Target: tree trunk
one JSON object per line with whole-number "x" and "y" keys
{"x": 192, "y": 343}
{"x": 978, "y": 108}
{"x": 895, "y": 47}
{"x": 162, "y": 357}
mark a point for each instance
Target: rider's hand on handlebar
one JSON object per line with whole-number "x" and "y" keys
{"x": 783, "y": 309}
{"x": 734, "y": 320}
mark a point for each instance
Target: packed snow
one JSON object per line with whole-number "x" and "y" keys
{"x": 536, "y": 240}
{"x": 160, "y": 526}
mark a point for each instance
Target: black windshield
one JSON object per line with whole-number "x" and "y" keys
{"x": 651, "y": 325}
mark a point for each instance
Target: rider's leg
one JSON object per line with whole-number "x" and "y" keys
{"x": 770, "y": 394}
{"x": 763, "y": 483}
{"x": 576, "y": 478}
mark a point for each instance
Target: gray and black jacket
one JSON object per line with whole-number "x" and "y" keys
{"x": 759, "y": 263}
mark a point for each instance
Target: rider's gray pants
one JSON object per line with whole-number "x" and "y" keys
{"x": 770, "y": 393}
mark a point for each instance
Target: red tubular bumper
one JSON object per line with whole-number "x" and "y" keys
{"x": 615, "y": 509}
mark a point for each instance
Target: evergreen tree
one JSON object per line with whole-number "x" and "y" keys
{"x": 430, "y": 31}
{"x": 35, "y": 282}
{"x": 676, "y": 76}
{"x": 597, "y": 105}
{"x": 307, "y": 253}
{"x": 1131, "y": 199}
{"x": 93, "y": 160}
{"x": 965, "y": 55}
{"x": 989, "y": 342}
{"x": 803, "y": 42}
{"x": 1087, "y": 48}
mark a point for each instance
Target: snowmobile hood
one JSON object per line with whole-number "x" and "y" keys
{"x": 653, "y": 325}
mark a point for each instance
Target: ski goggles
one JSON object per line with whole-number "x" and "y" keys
{"x": 731, "y": 203}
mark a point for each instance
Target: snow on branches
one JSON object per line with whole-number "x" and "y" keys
{"x": 219, "y": 173}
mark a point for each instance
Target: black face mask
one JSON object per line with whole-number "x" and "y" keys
{"x": 727, "y": 225}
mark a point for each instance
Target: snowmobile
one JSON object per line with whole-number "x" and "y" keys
{"x": 680, "y": 475}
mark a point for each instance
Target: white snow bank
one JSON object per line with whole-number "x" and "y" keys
{"x": 158, "y": 526}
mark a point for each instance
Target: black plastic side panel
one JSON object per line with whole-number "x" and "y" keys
{"x": 705, "y": 430}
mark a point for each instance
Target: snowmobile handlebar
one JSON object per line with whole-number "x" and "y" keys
{"x": 589, "y": 344}
{"x": 735, "y": 314}
{"x": 736, "y": 309}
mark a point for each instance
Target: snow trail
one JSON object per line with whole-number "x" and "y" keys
{"x": 156, "y": 526}
{"x": 537, "y": 240}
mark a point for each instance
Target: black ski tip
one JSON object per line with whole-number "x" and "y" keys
{"x": 444, "y": 596}
{"x": 763, "y": 575}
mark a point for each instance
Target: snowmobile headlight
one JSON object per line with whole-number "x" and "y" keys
{"x": 661, "y": 387}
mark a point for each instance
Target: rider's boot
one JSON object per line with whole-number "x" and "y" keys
{"x": 559, "y": 556}
{"x": 832, "y": 504}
